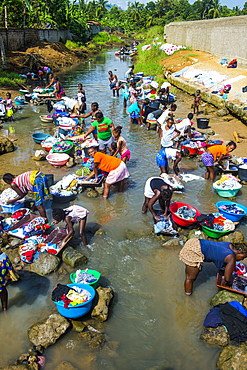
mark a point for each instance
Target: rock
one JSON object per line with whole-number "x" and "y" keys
{"x": 45, "y": 264}
{"x": 92, "y": 193}
{"x": 71, "y": 162}
{"x": 47, "y": 331}
{"x": 224, "y": 296}
{"x": 136, "y": 234}
{"x": 235, "y": 237}
{"x": 100, "y": 190}
{"x": 215, "y": 336}
{"x": 111, "y": 348}
{"x": 78, "y": 326}
{"x": 95, "y": 340}
{"x": 232, "y": 357}
{"x": 208, "y": 131}
{"x": 6, "y": 145}
{"x": 14, "y": 242}
{"x": 222, "y": 112}
{"x": 65, "y": 366}
{"x": 198, "y": 234}
{"x": 100, "y": 311}
{"x": 73, "y": 258}
{"x": 13, "y": 254}
{"x": 100, "y": 232}
{"x": 172, "y": 243}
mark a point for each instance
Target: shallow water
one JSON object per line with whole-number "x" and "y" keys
{"x": 152, "y": 324}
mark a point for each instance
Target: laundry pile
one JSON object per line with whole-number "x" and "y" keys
{"x": 227, "y": 182}
{"x": 50, "y": 141}
{"x": 186, "y": 213}
{"x": 173, "y": 181}
{"x": 70, "y": 296}
{"x": 6, "y": 195}
{"x": 216, "y": 221}
{"x": 36, "y": 226}
{"x": 6, "y": 223}
{"x": 169, "y": 49}
{"x": 62, "y": 146}
{"x": 65, "y": 187}
{"x": 232, "y": 208}
{"x": 164, "y": 226}
{"x": 84, "y": 277}
{"x": 233, "y": 316}
{"x": 32, "y": 247}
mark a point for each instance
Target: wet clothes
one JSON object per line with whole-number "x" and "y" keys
{"x": 235, "y": 322}
{"x": 215, "y": 252}
{"x": 213, "y": 319}
{"x": 58, "y": 292}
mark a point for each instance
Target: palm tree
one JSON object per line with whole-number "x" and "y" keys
{"x": 215, "y": 10}
{"x": 135, "y": 10}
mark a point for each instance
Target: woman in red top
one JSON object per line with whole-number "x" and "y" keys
{"x": 117, "y": 170}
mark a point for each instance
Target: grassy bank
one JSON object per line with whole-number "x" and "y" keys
{"x": 10, "y": 79}
{"x": 100, "y": 39}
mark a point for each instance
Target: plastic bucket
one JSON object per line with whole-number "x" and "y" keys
{"x": 213, "y": 233}
{"x": 242, "y": 173}
{"x": 231, "y": 216}
{"x": 179, "y": 220}
{"x": 95, "y": 273}
{"x": 202, "y": 123}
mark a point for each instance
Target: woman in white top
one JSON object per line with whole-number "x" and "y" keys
{"x": 166, "y": 133}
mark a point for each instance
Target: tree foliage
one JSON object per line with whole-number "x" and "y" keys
{"x": 75, "y": 14}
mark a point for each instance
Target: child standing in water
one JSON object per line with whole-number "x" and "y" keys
{"x": 9, "y": 107}
{"x": 197, "y": 102}
{"x": 71, "y": 215}
{"x": 121, "y": 145}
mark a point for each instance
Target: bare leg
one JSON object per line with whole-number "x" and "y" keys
{"x": 191, "y": 274}
{"x": 125, "y": 103}
{"x": 82, "y": 225}
{"x": 106, "y": 190}
{"x": 42, "y": 212}
{"x": 4, "y": 298}
{"x": 145, "y": 205}
{"x": 163, "y": 169}
{"x": 209, "y": 173}
{"x": 120, "y": 185}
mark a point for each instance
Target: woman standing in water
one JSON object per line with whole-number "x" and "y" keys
{"x": 121, "y": 145}
{"x": 6, "y": 273}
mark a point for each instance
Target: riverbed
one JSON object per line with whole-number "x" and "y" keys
{"x": 152, "y": 324}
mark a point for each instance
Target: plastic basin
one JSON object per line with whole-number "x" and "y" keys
{"x": 179, "y": 220}
{"x": 231, "y": 216}
{"x": 73, "y": 312}
{"x": 214, "y": 233}
{"x": 193, "y": 151}
{"x": 227, "y": 193}
{"x": 63, "y": 151}
{"x": 39, "y": 136}
{"x": 46, "y": 119}
{"x": 63, "y": 199}
{"x": 57, "y": 159}
{"x": 23, "y": 92}
{"x": 95, "y": 273}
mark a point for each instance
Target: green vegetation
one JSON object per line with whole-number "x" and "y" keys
{"x": 10, "y": 79}
{"x": 103, "y": 38}
{"x": 137, "y": 17}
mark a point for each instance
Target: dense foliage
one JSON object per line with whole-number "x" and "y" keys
{"x": 75, "y": 14}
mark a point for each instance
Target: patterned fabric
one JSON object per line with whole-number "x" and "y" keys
{"x": 5, "y": 268}
{"x": 40, "y": 189}
{"x": 208, "y": 159}
{"x": 191, "y": 254}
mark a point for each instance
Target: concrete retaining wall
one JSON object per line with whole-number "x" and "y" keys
{"x": 21, "y": 38}
{"x": 224, "y": 37}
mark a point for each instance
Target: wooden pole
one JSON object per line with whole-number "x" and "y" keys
{"x": 5, "y": 17}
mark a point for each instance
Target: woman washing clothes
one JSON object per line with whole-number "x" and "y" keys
{"x": 216, "y": 153}
{"x": 113, "y": 83}
{"x": 92, "y": 114}
{"x": 157, "y": 189}
{"x": 81, "y": 96}
{"x": 33, "y": 181}
{"x": 121, "y": 145}
{"x": 175, "y": 155}
{"x": 59, "y": 91}
{"x": 71, "y": 215}
{"x": 116, "y": 169}
{"x": 6, "y": 272}
{"x": 223, "y": 254}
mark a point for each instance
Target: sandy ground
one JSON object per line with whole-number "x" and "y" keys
{"x": 223, "y": 126}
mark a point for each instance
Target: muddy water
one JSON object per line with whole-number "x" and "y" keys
{"x": 152, "y": 324}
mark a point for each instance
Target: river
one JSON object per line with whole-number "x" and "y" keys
{"x": 152, "y": 324}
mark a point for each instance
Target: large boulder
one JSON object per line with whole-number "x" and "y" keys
{"x": 232, "y": 357}
{"x": 94, "y": 340}
{"x": 235, "y": 237}
{"x": 6, "y": 145}
{"x": 73, "y": 258}
{"x": 45, "y": 264}
{"x": 100, "y": 311}
{"x": 224, "y": 296}
{"x": 222, "y": 112}
{"x": 48, "y": 331}
{"x": 215, "y": 336}
{"x": 172, "y": 243}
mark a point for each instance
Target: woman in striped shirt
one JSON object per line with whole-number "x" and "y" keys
{"x": 33, "y": 181}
